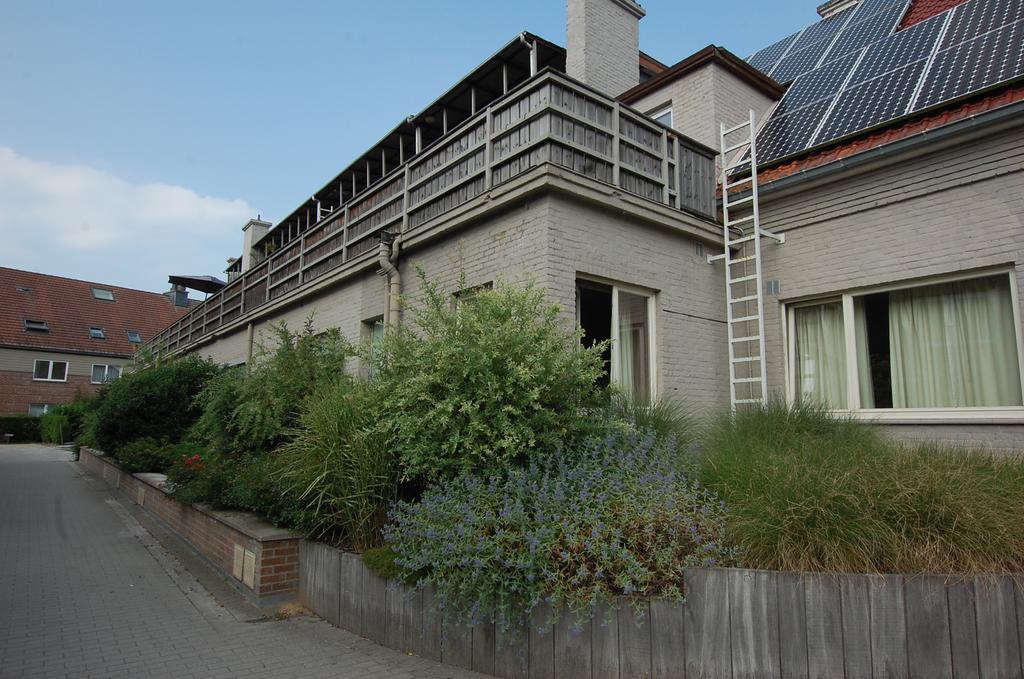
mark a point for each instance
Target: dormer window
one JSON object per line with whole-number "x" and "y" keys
{"x": 135, "y": 337}
{"x": 36, "y": 326}
{"x": 104, "y": 294}
{"x": 97, "y": 333}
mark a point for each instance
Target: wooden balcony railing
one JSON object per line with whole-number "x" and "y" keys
{"x": 548, "y": 119}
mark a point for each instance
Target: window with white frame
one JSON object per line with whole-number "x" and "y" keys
{"x": 373, "y": 332}
{"x": 624, "y": 317}
{"x": 952, "y": 343}
{"x": 104, "y": 294}
{"x": 663, "y": 115}
{"x": 50, "y": 371}
{"x": 39, "y": 409}
{"x": 104, "y": 373}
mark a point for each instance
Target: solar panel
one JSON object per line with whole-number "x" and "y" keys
{"x": 820, "y": 83}
{"x": 866, "y": 31}
{"x": 764, "y": 59}
{"x": 973, "y": 18}
{"x": 872, "y": 102}
{"x": 825, "y": 29}
{"x": 798, "y": 63}
{"x": 973, "y": 65}
{"x": 975, "y": 45}
{"x": 911, "y": 44}
{"x": 790, "y": 133}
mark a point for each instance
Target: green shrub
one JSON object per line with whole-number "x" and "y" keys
{"x": 25, "y": 428}
{"x": 146, "y": 455}
{"x": 619, "y": 516}
{"x": 156, "y": 401}
{"x": 809, "y": 491}
{"x": 480, "y": 385}
{"x": 381, "y": 562}
{"x": 339, "y": 471}
{"x": 63, "y": 423}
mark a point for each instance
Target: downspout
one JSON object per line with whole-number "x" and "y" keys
{"x": 387, "y": 257}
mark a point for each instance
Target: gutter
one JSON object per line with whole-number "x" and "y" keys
{"x": 387, "y": 257}
{"x": 974, "y": 122}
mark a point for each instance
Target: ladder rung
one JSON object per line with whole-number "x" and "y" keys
{"x": 740, "y": 240}
{"x": 748, "y": 199}
{"x": 732, "y": 185}
{"x": 748, "y": 298}
{"x": 737, "y": 128}
{"x": 746, "y": 380}
{"x": 747, "y": 400}
{"x": 742, "y": 220}
{"x": 742, "y": 279}
{"x": 715, "y": 258}
{"x": 737, "y": 340}
{"x": 730, "y": 168}
{"x": 742, "y": 259}
{"x": 746, "y": 359}
{"x": 730, "y": 149}
{"x": 744, "y": 319}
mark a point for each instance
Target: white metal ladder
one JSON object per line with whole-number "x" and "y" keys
{"x": 741, "y": 222}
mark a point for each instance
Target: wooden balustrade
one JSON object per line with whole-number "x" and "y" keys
{"x": 548, "y": 119}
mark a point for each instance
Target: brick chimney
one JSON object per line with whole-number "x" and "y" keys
{"x": 252, "y": 232}
{"x": 604, "y": 43}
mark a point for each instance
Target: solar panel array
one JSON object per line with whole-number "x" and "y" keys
{"x": 854, "y": 71}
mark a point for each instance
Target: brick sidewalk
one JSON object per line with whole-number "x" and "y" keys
{"x": 86, "y": 591}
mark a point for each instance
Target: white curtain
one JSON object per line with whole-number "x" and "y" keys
{"x": 821, "y": 354}
{"x": 867, "y": 390}
{"x": 954, "y": 345}
{"x": 633, "y": 349}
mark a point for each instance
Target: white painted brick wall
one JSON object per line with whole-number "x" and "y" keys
{"x": 603, "y": 45}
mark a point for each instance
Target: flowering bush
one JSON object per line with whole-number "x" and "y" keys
{"x": 619, "y": 517}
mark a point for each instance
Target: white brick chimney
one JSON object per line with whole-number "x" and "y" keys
{"x": 603, "y": 45}
{"x": 251, "y": 233}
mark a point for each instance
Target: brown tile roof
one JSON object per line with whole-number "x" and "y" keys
{"x": 926, "y": 9}
{"x": 69, "y": 309}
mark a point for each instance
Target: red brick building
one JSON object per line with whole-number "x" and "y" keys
{"x": 61, "y": 337}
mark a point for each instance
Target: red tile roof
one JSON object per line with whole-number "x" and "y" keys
{"x": 888, "y": 135}
{"x": 69, "y": 309}
{"x": 925, "y": 9}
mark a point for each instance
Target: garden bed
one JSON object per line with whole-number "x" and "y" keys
{"x": 734, "y": 623}
{"x": 261, "y": 559}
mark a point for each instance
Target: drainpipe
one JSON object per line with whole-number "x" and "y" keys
{"x": 387, "y": 257}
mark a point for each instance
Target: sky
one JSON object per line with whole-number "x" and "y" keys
{"x": 137, "y": 137}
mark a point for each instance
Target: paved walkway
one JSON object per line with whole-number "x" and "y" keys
{"x": 86, "y": 591}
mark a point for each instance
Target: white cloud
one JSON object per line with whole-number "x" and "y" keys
{"x": 79, "y": 221}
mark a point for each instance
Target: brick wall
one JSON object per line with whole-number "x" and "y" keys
{"x": 603, "y": 44}
{"x": 262, "y": 560}
{"x": 18, "y": 391}
{"x": 950, "y": 210}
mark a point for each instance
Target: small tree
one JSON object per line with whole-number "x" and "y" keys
{"x": 481, "y": 381}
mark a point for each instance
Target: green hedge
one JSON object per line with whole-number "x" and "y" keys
{"x": 24, "y": 427}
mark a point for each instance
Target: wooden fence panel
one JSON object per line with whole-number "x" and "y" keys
{"x": 707, "y": 624}
{"x": 856, "y": 612}
{"x": 888, "y": 626}
{"x": 824, "y": 627}
{"x": 929, "y": 654}
{"x": 792, "y": 626}
{"x": 963, "y": 630}
{"x": 668, "y": 640}
{"x": 542, "y": 643}
{"x": 998, "y": 642}
{"x": 753, "y": 619}
{"x": 605, "y": 643}
{"x": 635, "y": 639}
{"x": 572, "y": 647}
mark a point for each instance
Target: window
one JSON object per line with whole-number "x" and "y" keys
{"x": 373, "y": 331}
{"x": 50, "y": 371}
{"x": 663, "y": 116}
{"x": 135, "y": 337}
{"x": 624, "y": 318}
{"x": 39, "y": 409}
{"x": 97, "y": 333}
{"x": 952, "y": 344}
{"x": 36, "y": 326}
{"x": 104, "y": 373}
{"x": 101, "y": 293}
